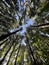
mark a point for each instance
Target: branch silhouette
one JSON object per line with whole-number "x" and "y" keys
{"x": 45, "y": 25}
{"x": 4, "y": 36}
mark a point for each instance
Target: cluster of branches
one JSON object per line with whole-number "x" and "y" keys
{"x": 3, "y": 36}
{"x": 13, "y": 5}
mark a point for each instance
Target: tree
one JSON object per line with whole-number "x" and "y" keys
{"x": 24, "y": 32}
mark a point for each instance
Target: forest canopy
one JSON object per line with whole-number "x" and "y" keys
{"x": 24, "y": 32}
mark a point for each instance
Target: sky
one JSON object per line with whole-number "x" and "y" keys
{"x": 28, "y": 22}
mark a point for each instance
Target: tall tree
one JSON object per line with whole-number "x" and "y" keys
{"x": 24, "y": 32}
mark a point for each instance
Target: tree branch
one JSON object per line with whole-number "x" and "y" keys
{"x": 45, "y": 25}
{"x": 2, "y": 37}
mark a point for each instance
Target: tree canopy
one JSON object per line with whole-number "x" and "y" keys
{"x": 24, "y": 32}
